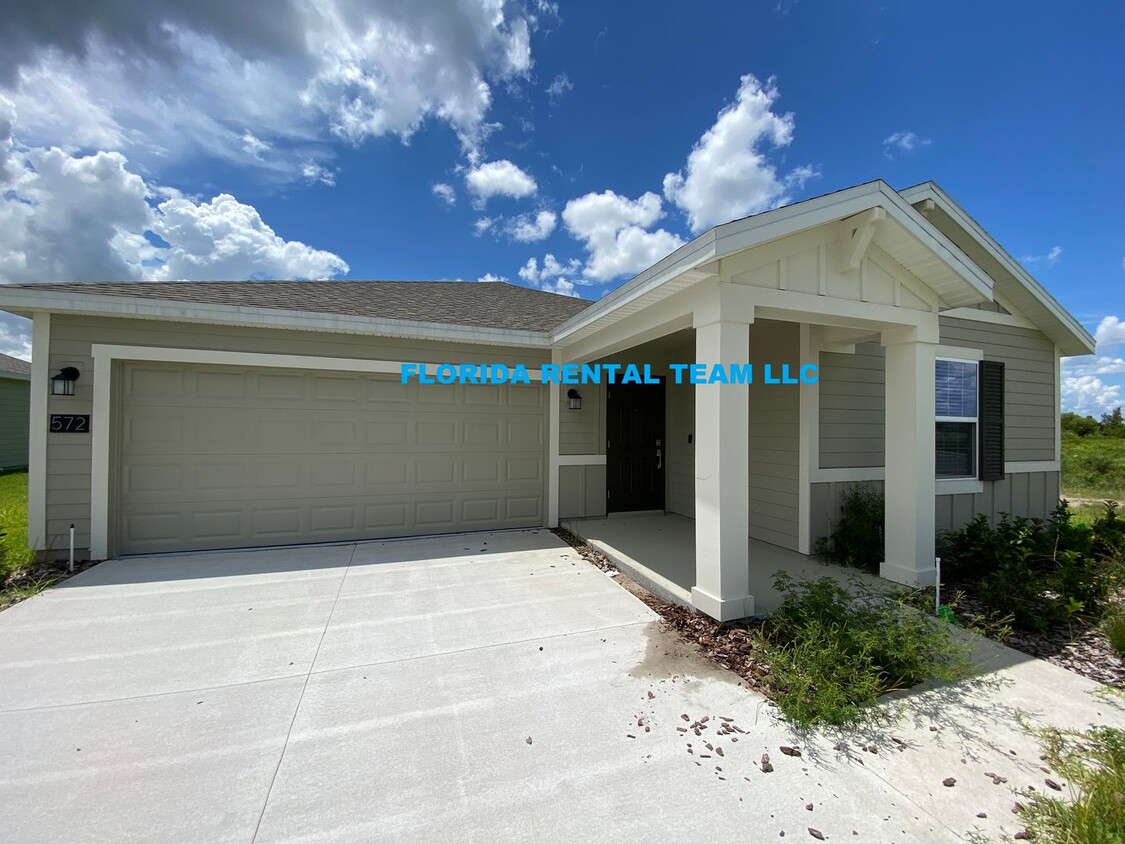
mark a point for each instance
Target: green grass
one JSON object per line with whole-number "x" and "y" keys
{"x": 14, "y": 553}
{"x": 1093, "y": 467}
{"x": 1115, "y": 631}
{"x": 1092, "y": 765}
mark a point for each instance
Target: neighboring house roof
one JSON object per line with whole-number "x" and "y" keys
{"x": 481, "y": 304}
{"x": 11, "y": 367}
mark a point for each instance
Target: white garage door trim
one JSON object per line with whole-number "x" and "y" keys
{"x": 102, "y": 422}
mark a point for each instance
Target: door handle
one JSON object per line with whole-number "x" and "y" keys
{"x": 659, "y": 459}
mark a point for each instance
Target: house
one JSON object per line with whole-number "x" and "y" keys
{"x": 15, "y": 384}
{"x": 182, "y": 416}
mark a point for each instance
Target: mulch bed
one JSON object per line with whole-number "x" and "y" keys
{"x": 1083, "y": 648}
{"x": 1086, "y": 652}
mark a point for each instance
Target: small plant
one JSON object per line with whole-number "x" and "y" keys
{"x": 833, "y": 652}
{"x": 856, "y": 539}
{"x": 1115, "y": 631}
{"x": 23, "y": 589}
{"x": 1092, "y": 764}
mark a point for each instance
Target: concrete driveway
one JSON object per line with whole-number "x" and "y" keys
{"x": 483, "y": 687}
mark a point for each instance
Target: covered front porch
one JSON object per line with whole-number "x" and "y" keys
{"x": 658, "y": 551}
{"x": 733, "y": 469}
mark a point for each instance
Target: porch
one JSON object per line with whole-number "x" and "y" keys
{"x": 657, "y": 550}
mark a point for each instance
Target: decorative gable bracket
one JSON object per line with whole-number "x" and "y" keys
{"x": 855, "y": 236}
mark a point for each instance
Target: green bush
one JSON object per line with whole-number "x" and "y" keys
{"x": 857, "y": 536}
{"x": 1092, "y": 764}
{"x": 1041, "y": 572}
{"x": 832, "y": 652}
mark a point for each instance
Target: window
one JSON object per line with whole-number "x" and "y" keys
{"x": 956, "y": 412}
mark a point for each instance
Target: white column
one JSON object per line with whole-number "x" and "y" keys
{"x": 553, "y": 436}
{"x": 909, "y": 435}
{"x": 37, "y": 435}
{"x": 722, "y": 478}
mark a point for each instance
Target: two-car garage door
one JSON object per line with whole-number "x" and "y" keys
{"x": 225, "y": 457}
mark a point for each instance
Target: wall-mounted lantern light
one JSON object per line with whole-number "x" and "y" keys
{"x": 575, "y": 399}
{"x": 63, "y": 383}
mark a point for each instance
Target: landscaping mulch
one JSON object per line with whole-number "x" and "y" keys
{"x": 1083, "y": 648}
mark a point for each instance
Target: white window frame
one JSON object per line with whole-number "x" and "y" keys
{"x": 975, "y": 420}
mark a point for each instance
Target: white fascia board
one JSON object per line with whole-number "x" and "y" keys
{"x": 14, "y": 376}
{"x": 24, "y": 300}
{"x": 929, "y": 190}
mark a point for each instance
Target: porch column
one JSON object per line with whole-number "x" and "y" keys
{"x": 909, "y": 445}
{"x": 722, "y": 478}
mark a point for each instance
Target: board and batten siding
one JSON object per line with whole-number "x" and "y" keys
{"x": 1033, "y": 494}
{"x": 69, "y": 455}
{"x": 852, "y": 395}
{"x": 15, "y": 409}
{"x": 1030, "y": 412}
{"x": 774, "y": 436}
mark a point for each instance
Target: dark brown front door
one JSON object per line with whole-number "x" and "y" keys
{"x": 636, "y": 452}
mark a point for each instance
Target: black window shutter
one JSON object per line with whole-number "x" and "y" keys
{"x": 990, "y": 379}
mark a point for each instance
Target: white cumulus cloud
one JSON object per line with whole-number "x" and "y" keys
{"x": 1110, "y": 332}
{"x": 614, "y": 230}
{"x": 1089, "y": 395}
{"x": 528, "y": 228}
{"x": 728, "y": 174}
{"x": 553, "y": 275}
{"x": 499, "y": 178}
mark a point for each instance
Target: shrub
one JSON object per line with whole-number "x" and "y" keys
{"x": 832, "y": 652}
{"x": 856, "y": 539}
{"x": 1041, "y": 572}
{"x": 1093, "y": 765}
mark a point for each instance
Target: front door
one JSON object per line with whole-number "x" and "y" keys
{"x": 635, "y": 448}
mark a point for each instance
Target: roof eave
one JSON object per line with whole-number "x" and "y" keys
{"x": 1076, "y": 340}
{"x": 28, "y": 301}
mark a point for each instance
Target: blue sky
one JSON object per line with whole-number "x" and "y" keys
{"x": 561, "y": 146}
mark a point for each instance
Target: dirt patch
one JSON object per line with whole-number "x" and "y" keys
{"x": 729, "y": 645}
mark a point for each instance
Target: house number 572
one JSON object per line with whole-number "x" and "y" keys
{"x": 70, "y": 423}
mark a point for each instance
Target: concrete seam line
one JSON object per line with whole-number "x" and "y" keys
{"x": 150, "y": 695}
{"x": 485, "y": 647}
{"x": 301, "y": 697}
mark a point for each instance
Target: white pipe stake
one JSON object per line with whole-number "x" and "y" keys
{"x": 70, "y": 564}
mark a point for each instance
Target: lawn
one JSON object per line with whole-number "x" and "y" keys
{"x": 1093, "y": 466}
{"x": 14, "y": 554}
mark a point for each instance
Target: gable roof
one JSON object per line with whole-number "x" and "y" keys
{"x": 14, "y": 366}
{"x": 1011, "y": 280}
{"x": 480, "y": 304}
{"x": 906, "y": 236}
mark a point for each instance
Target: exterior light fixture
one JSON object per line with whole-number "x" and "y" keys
{"x": 63, "y": 383}
{"x": 575, "y": 399}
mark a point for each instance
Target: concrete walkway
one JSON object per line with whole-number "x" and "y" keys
{"x": 486, "y": 687}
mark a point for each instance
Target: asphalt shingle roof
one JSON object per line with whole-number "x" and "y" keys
{"x": 481, "y": 304}
{"x": 11, "y": 364}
